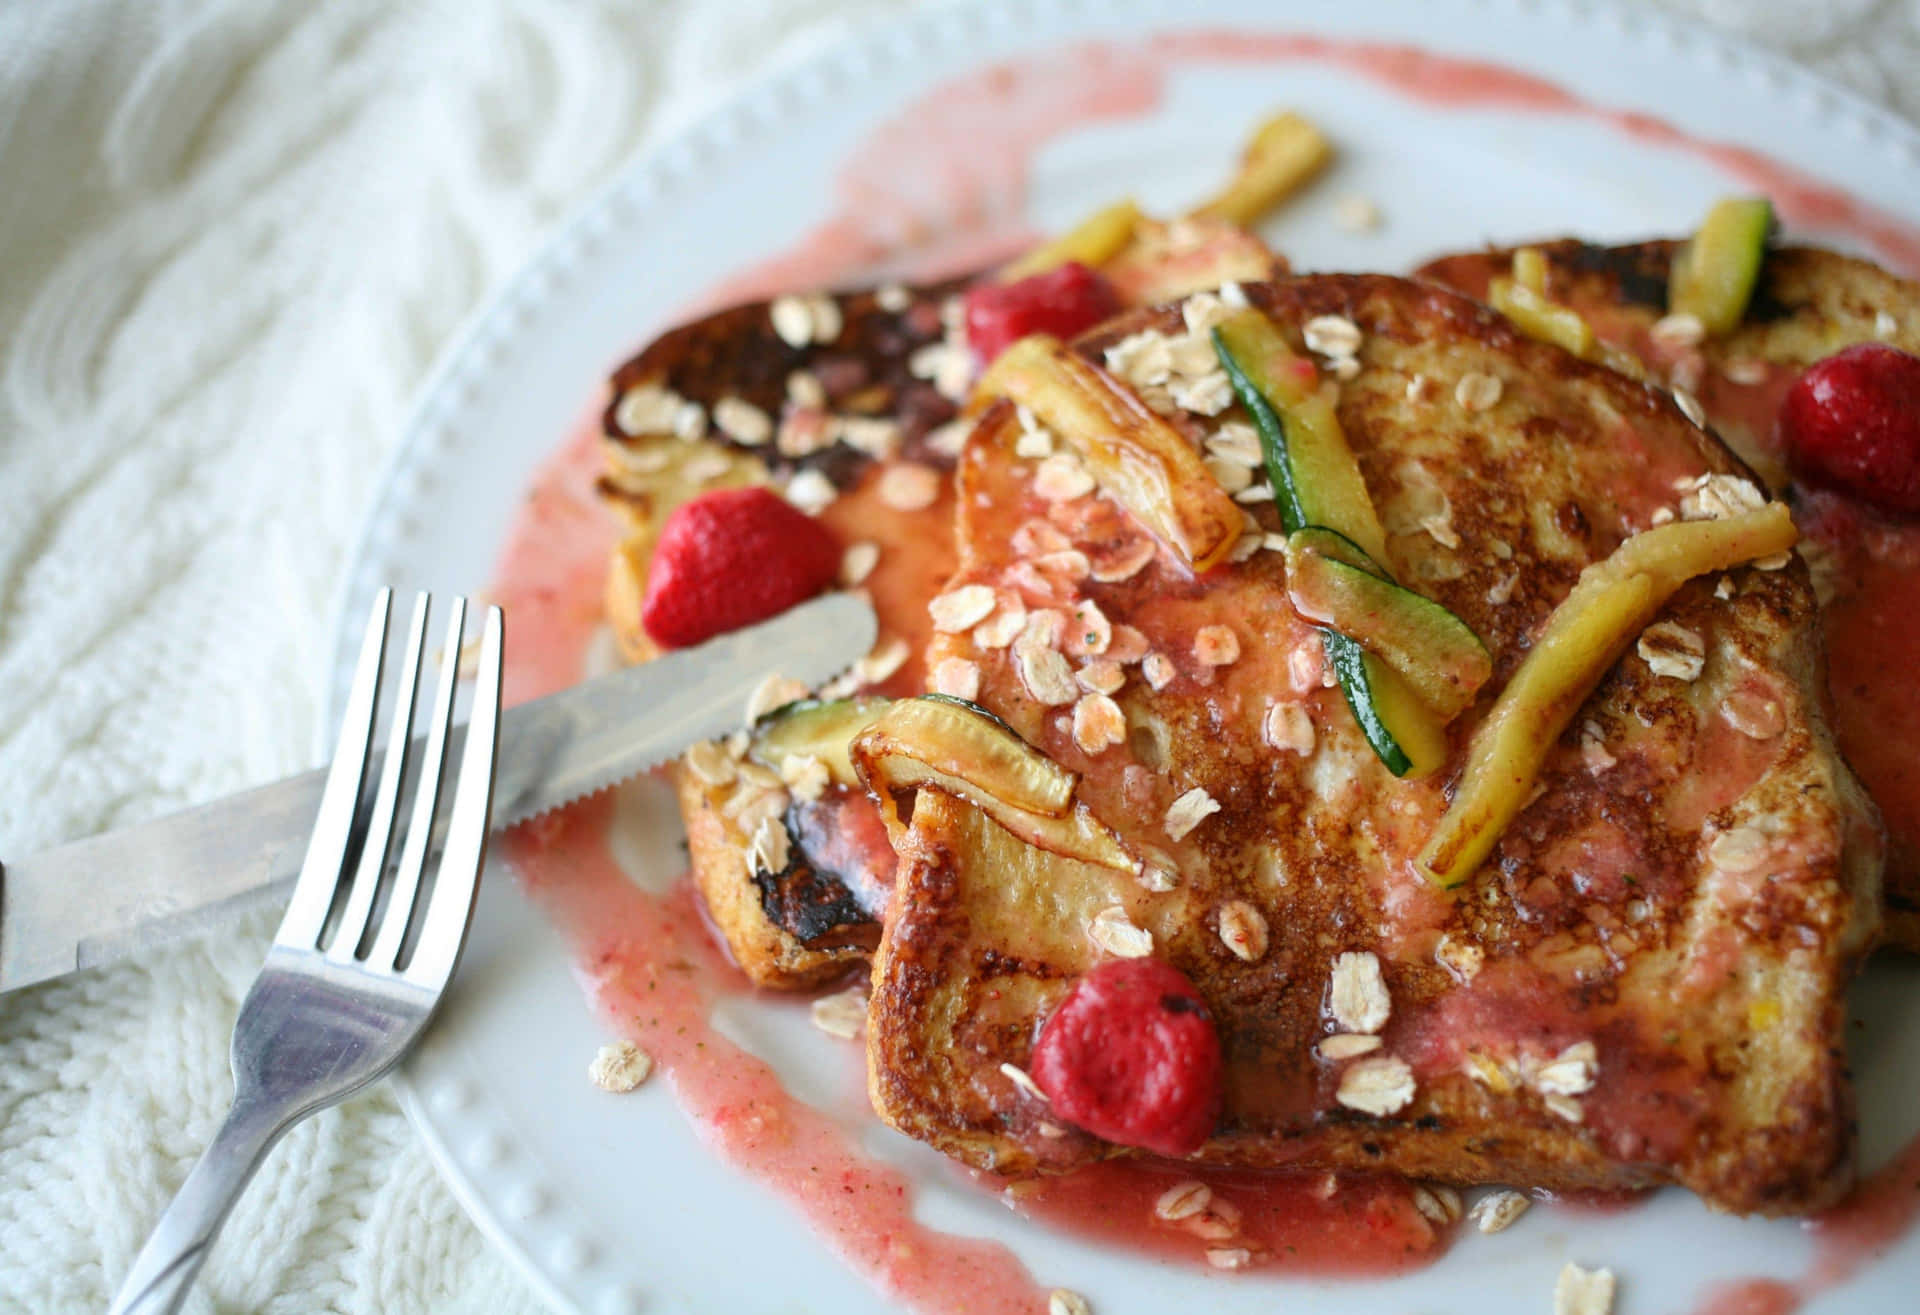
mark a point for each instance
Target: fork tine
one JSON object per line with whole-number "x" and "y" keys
{"x": 443, "y": 928}
{"x": 426, "y": 797}
{"x": 333, "y": 825}
{"x": 352, "y": 926}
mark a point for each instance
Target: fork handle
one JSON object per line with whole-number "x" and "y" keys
{"x": 164, "y": 1270}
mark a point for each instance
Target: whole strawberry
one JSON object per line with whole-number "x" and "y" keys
{"x": 1131, "y": 1056}
{"x": 1062, "y": 302}
{"x": 1852, "y": 423}
{"x": 729, "y": 558}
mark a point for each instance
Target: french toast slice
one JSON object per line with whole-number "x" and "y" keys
{"x": 1645, "y": 982}
{"x": 1809, "y": 304}
{"x": 848, "y": 402}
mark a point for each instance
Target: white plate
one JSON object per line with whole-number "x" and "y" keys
{"x": 610, "y": 1204}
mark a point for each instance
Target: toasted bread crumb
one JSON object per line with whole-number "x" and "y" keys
{"x": 842, "y": 1014}
{"x": 1243, "y": 930}
{"x": 710, "y": 763}
{"x": 775, "y": 691}
{"x": 858, "y": 561}
{"x": 620, "y": 1066}
{"x": 810, "y": 491}
{"x": 1357, "y": 994}
{"x": 1024, "y": 1081}
{"x": 1114, "y": 932}
{"x": 1061, "y": 478}
{"x": 1189, "y": 811}
{"x": 1182, "y": 1200}
{"x": 1583, "y": 1291}
{"x": 1216, "y": 646}
{"x": 1670, "y": 649}
{"x": 1062, "y": 1302}
{"x": 1477, "y": 391}
{"x": 909, "y": 486}
{"x": 1346, "y": 1045}
{"x": 1379, "y": 1086}
{"x": 1331, "y": 335}
{"x": 957, "y": 678}
{"x": 1496, "y": 1212}
{"x": 1098, "y": 723}
{"x": 962, "y": 608}
{"x": 1439, "y": 1203}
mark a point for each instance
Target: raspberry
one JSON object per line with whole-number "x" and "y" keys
{"x": 1852, "y": 423}
{"x": 729, "y": 558}
{"x": 1062, "y": 302}
{"x": 1131, "y": 1056}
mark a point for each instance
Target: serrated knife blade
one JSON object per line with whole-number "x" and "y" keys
{"x": 92, "y": 901}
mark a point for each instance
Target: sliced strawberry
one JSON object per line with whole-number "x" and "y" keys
{"x": 1062, "y": 302}
{"x": 1852, "y": 423}
{"x": 729, "y": 558}
{"x": 1131, "y": 1056}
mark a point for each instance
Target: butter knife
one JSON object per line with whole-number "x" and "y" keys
{"x": 95, "y": 900}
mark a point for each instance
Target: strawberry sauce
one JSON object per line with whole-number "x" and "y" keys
{"x": 919, "y": 195}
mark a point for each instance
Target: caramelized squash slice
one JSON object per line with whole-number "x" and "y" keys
{"x": 1537, "y": 317}
{"x": 1093, "y": 242}
{"x": 960, "y": 749}
{"x": 1146, "y": 464}
{"x": 1593, "y": 625}
{"x": 1284, "y": 154}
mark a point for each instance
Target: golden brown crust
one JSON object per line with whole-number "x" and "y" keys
{"x": 1713, "y": 998}
{"x": 1809, "y": 304}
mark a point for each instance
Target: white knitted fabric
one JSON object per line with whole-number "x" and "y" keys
{"x": 233, "y": 236}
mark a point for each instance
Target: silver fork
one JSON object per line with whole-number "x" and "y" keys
{"x": 360, "y": 961}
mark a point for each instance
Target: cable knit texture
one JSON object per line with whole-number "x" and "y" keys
{"x": 236, "y": 236}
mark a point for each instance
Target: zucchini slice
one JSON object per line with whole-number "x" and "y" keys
{"x": 1332, "y": 582}
{"x": 816, "y": 728}
{"x": 1404, "y": 733}
{"x": 1316, "y": 481}
{"x": 1714, "y": 274}
{"x": 958, "y": 748}
{"x": 1586, "y": 634}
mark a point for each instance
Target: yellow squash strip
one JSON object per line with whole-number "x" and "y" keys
{"x": 1609, "y": 607}
{"x": 1283, "y": 154}
{"x": 1318, "y": 467}
{"x": 1539, "y": 318}
{"x": 1093, "y": 242}
{"x": 960, "y": 749}
{"x": 1146, "y": 464}
{"x": 1530, "y": 269}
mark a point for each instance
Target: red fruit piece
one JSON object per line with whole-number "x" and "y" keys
{"x": 1852, "y": 423}
{"x": 729, "y": 558}
{"x": 1062, "y": 302}
{"x": 1131, "y": 1056}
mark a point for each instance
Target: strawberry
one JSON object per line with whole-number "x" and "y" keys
{"x": 1062, "y": 302}
{"x": 729, "y": 558}
{"x": 1131, "y": 1056}
{"x": 1852, "y": 423}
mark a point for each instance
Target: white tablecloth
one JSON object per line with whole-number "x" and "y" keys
{"x": 233, "y": 237}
